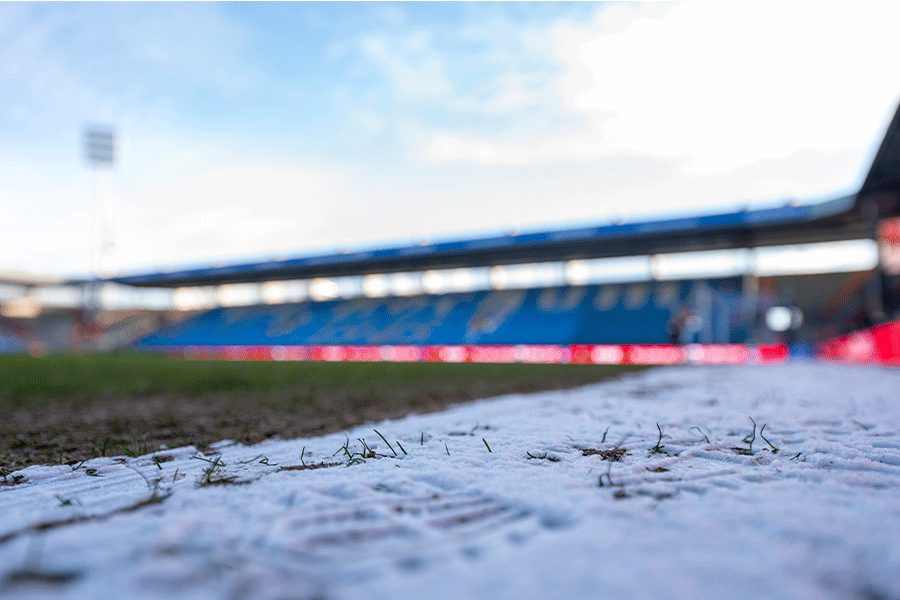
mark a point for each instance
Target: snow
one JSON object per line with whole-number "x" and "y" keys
{"x": 449, "y": 518}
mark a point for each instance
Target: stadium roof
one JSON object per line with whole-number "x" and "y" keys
{"x": 21, "y": 278}
{"x": 884, "y": 174}
{"x": 847, "y": 218}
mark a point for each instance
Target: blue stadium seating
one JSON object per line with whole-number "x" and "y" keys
{"x": 12, "y": 337}
{"x": 635, "y": 313}
{"x": 11, "y": 345}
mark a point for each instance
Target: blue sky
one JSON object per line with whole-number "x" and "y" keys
{"x": 249, "y": 130}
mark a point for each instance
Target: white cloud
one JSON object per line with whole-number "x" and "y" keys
{"x": 239, "y": 210}
{"x": 45, "y": 224}
{"x": 410, "y": 63}
{"x": 369, "y": 122}
{"x": 724, "y": 84}
{"x": 449, "y": 147}
{"x": 490, "y": 69}
{"x": 712, "y": 87}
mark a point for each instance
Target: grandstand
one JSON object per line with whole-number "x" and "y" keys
{"x": 610, "y": 314}
{"x": 742, "y": 306}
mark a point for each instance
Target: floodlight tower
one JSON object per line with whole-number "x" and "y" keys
{"x": 99, "y": 147}
{"x": 99, "y": 151}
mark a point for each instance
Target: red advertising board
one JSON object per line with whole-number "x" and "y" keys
{"x": 611, "y": 354}
{"x": 880, "y": 344}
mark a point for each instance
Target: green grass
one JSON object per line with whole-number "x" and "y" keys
{"x": 24, "y": 379}
{"x": 66, "y": 409}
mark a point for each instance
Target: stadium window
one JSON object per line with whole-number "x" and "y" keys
{"x": 349, "y": 287}
{"x": 527, "y": 275}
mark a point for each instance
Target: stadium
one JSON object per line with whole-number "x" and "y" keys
{"x": 696, "y": 404}
{"x": 613, "y": 295}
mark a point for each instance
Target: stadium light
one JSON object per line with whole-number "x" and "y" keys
{"x": 273, "y": 292}
{"x": 322, "y": 289}
{"x": 193, "y": 298}
{"x": 238, "y": 294}
{"x": 99, "y": 144}
{"x": 406, "y": 284}
{"x": 284, "y": 292}
{"x": 434, "y": 282}
{"x": 99, "y": 150}
{"x": 375, "y": 285}
{"x": 463, "y": 280}
{"x": 577, "y": 273}
{"x": 498, "y": 277}
{"x": 778, "y": 318}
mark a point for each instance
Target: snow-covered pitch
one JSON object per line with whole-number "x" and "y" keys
{"x": 553, "y": 495}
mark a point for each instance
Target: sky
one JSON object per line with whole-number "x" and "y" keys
{"x": 257, "y": 130}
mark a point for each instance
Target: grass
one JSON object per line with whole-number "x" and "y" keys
{"x": 610, "y": 454}
{"x": 541, "y": 457}
{"x": 772, "y": 446}
{"x": 67, "y": 409}
{"x": 658, "y": 448}
{"x": 213, "y": 475}
{"x": 27, "y": 379}
{"x": 387, "y": 442}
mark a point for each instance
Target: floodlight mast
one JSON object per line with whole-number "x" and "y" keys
{"x": 99, "y": 151}
{"x": 99, "y": 146}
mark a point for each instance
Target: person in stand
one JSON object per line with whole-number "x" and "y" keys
{"x": 675, "y": 326}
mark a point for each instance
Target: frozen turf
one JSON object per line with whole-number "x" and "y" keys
{"x": 744, "y": 482}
